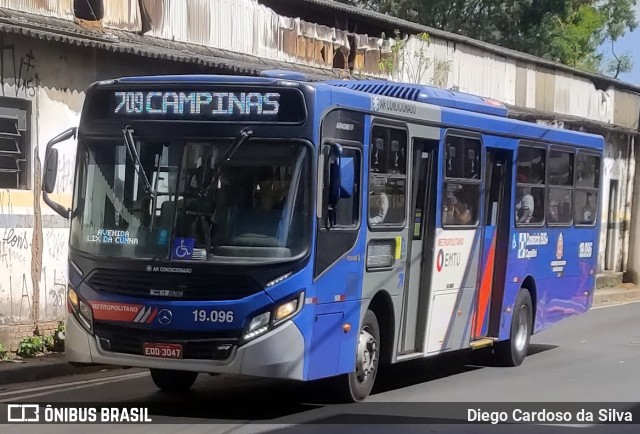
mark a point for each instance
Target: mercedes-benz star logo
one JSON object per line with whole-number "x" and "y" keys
{"x": 165, "y": 316}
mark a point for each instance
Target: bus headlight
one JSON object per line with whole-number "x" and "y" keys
{"x": 265, "y": 321}
{"x": 80, "y": 309}
{"x": 86, "y": 314}
{"x": 73, "y": 298}
{"x": 258, "y": 325}
{"x": 285, "y": 310}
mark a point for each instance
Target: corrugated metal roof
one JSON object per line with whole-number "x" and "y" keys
{"x": 118, "y": 41}
{"x": 411, "y": 27}
{"x": 532, "y": 115}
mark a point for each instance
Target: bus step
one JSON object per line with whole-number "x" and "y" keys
{"x": 482, "y": 343}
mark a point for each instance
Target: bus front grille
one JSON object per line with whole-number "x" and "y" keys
{"x": 197, "y": 345}
{"x": 172, "y": 287}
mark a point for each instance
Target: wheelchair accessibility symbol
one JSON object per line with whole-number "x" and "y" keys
{"x": 182, "y": 249}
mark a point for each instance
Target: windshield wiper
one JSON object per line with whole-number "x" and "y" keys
{"x": 127, "y": 132}
{"x": 244, "y": 135}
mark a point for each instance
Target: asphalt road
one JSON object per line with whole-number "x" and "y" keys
{"x": 593, "y": 358}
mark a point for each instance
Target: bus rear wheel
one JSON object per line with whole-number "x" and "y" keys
{"x": 173, "y": 381}
{"x": 356, "y": 386}
{"x": 514, "y": 351}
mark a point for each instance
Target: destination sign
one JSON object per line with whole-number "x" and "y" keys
{"x": 196, "y": 103}
{"x": 255, "y": 104}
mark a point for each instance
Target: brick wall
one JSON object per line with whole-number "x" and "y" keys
{"x": 11, "y": 335}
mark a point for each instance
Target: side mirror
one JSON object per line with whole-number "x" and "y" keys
{"x": 51, "y": 171}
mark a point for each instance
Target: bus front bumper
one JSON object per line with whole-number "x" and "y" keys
{"x": 277, "y": 354}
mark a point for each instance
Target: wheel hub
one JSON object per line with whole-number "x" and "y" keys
{"x": 367, "y": 356}
{"x": 523, "y": 329}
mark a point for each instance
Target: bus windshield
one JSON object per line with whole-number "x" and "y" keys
{"x": 200, "y": 206}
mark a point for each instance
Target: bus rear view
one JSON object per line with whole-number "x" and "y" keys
{"x": 191, "y": 198}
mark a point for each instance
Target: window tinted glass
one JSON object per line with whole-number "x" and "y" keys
{"x": 587, "y": 171}
{"x": 560, "y": 168}
{"x": 460, "y": 204}
{"x": 531, "y": 165}
{"x": 559, "y": 206}
{"x": 462, "y": 158}
{"x": 585, "y": 209}
{"x": 529, "y": 205}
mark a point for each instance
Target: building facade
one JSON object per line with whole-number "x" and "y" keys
{"x": 50, "y": 51}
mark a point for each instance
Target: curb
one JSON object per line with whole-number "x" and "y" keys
{"x": 42, "y": 368}
{"x": 620, "y": 294}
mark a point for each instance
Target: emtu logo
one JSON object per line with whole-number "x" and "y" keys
{"x": 440, "y": 260}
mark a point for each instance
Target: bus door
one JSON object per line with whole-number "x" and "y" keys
{"x": 422, "y": 232}
{"x": 497, "y": 188}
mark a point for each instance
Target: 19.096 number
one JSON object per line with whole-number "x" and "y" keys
{"x": 201, "y": 315}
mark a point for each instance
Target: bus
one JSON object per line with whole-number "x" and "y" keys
{"x": 280, "y": 227}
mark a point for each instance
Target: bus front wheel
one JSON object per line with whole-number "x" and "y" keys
{"x": 513, "y": 351}
{"x": 356, "y": 386}
{"x": 173, "y": 381}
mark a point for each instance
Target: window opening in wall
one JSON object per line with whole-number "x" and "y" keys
{"x": 15, "y": 150}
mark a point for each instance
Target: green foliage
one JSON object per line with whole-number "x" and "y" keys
{"x": 48, "y": 343}
{"x": 30, "y": 347}
{"x": 567, "y": 31}
{"x": 3, "y": 352}
{"x": 396, "y": 62}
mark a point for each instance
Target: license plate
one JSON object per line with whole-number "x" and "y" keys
{"x": 165, "y": 351}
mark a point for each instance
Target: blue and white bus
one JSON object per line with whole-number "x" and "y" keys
{"x": 278, "y": 227}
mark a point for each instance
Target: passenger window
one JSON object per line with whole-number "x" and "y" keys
{"x": 388, "y": 177}
{"x": 588, "y": 171}
{"x": 531, "y": 163}
{"x": 559, "y": 206}
{"x": 530, "y": 190}
{"x": 586, "y": 194}
{"x": 560, "y": 196}
{"x": 560, "y": 168}
{"x": 585, "y": 209}
{"x": 461, "y": 201}
{"x": 460, "y": 204}
{"x": 463, "y": 158}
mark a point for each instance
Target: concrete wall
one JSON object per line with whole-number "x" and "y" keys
{"x": 617, "y": 192}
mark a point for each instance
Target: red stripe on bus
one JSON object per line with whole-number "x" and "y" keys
{"x": 485, "y": 289}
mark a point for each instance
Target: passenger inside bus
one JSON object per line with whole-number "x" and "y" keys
{"x": 525, "y": 207}
{"x": 456, "y": 210}
{"x": 378, "y": 202}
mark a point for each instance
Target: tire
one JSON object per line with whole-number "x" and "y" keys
{"x": 513, "y": 351}
{"x": 173, "y": 381}
{"x": 356, "y": 386}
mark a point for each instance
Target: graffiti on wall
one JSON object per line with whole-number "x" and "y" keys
{"x": 18, "y": 69}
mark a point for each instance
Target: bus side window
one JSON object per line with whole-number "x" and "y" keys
{"x": 560, "y": 196}
{"x": 461, "y": 201}
{"x": 587, "y": 183}
{"x": 387, "y": 179}
{"x": 530, "y": 191}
